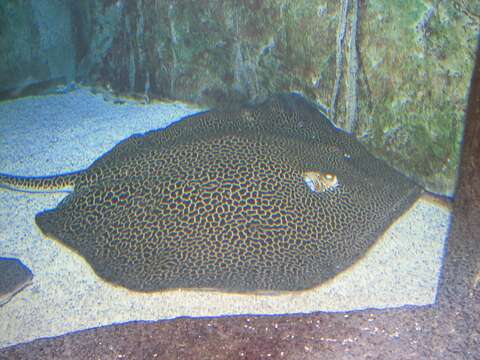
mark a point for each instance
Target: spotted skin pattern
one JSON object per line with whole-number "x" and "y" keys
{"x": 219, "y": 200}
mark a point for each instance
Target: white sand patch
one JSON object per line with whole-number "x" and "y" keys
{"x": 55, "y": 134}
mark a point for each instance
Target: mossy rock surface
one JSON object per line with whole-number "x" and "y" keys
{"x": 416, "y": 60}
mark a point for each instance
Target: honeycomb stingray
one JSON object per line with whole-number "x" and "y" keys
{"x": 266, "y": 197}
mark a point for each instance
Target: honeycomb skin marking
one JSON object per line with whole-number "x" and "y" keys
{"x": 219, "y": 200}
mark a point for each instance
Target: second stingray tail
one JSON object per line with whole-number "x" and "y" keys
{"x": 63, "y": 182}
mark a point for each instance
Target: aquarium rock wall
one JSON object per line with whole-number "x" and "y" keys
{"x": 37, "y": 44}
{"x": 395, "y": 73}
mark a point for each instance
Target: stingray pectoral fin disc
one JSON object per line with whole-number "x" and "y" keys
{"x": 46, "y": 220}
{"x": 284, "y": 202}
{"x": 88, "y": 222}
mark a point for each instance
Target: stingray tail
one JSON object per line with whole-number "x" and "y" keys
{"x": 39, "y": 184}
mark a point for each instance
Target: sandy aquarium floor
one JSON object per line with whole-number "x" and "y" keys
{"x": 61, "y": 133}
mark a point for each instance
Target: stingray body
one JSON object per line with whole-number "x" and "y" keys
{"x": 221, "y": 200}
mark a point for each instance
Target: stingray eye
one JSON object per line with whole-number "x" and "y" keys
{"x": 329, "y": 177}
{"x": 320, "y": 182}
{"x": 330, "y": 181}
